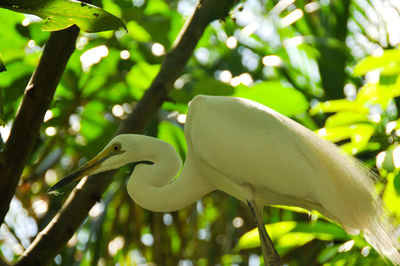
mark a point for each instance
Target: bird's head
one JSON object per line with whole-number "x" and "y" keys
{"x": 118, "y": 152}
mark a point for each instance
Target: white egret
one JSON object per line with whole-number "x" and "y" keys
{"x": 256, "y": 155}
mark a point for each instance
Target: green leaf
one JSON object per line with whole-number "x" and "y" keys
{"x": 334, "y": 106}
{"x": 388, "y": 162}
{"x": 137, "y": 32}
{"x": 327, "y": 254}
{"x": 354, "y": 148}
{"x": 282, "y": 99}
{"x": 92, "y": 120}
{"x": 275, "y": 231}
{"x": 373, "y": 93}
{"x": 289, "y": 235}
{"x": 360, "y": 132}
{"x": 390, "y": 197}
{"x": 210, "y": 86}
{"x": 292, "y": 240}
{"x": 12, "y": 46}
{"x": 174, "y": 135}
{"x": 323, "y": 230}
{"x": 61, "y": 14}
{"x": 345, "y": 119}
{"x": 140, "y": 77}
{"x": 282, "y": 233}
{"x": 95, "y": 129}
{"x": 156, "y": 7}
{"x": 396, "y": 183}
{"x": 388, "y": 63}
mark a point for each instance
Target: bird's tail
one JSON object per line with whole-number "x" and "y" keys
{"x": 368, "y": 211}
{"x": 357, "y": 206}
{"x": 380, "y": 232}
{"x": 374, "y": 219}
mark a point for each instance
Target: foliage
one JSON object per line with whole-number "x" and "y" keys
{"x": 61, "y": 14}
{"x": 295, "y": 58}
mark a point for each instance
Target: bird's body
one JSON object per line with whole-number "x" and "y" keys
{"x": 256, "y": 155}
{"x": 252, "y": 152}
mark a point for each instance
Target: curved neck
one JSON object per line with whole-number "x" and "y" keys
{"x": 153, "y": 187}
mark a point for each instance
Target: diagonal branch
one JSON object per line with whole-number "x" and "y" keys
{"x": 56, "y": 234}
{"x": 37, "y": 98}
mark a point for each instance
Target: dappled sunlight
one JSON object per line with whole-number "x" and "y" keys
{"x": 347, "y": 246}
{"x": 5, "y": 132}
{"x": 244, "y": 78}
{"x": 40, "y": 207}
{"x": 225, "y": 76}
{"x": 51, "y": 131}
{"x": 97, "y": 210}
{"x": 231, "y": 42}
{"x": 147, "y": 239}
{"x": 272, "y": 60}
{"x": 115, "y": 245}
{"x": 157, "y": 49}
{"x": 93, "y": 56}
{"x": 51, "y": 176}
{"x": 17, "y": 231}
{"x": 291, "y": 18}
{"x": 118, "y": 110}
{"x": 125, "y": 54}
{"x": 237, "y": 222}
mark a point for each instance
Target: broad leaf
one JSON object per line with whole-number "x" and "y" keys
{"x": 357, "y": 131}
{"x": 345, "y": 119}
{"x": 288, "y": 235}
{"x": 174, "y": 135}
{"x": 388, "y": 63}
{"x": 322, "y": 230}
{"x": 342, "y": 105}
{"x": 138, "y": 32}
{"x": 396, "y": 183}
{"x": 391, "y": 197}
{"x": 275, "y": 231}
{"x": 373, "y": 93}
{"x": 140, "y": 76}
{"x": 60, "y": 14}
{"x": 282, "y": 99}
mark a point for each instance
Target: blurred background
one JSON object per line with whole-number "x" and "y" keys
{"x": 333, "y": 66}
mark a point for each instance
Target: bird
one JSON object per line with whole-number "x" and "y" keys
{"x": 258, "y": 156}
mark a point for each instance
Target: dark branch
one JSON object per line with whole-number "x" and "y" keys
{"x": 51, "y": 240}
{"x": 37, "y": 98}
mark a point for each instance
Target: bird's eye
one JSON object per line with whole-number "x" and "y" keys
{"x": 116, "y": 147}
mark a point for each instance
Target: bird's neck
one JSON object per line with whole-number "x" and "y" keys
{"x": 166, "y": 164}
{"x": 153, "y": 186}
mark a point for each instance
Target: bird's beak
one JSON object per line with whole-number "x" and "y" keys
{"x": 83, "y": 171}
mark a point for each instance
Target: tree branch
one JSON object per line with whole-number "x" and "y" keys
{"x": 37, "y": 98}
{"x": 56, "y": 234}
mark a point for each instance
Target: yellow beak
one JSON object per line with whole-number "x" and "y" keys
{"x": 82, "y": 171}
